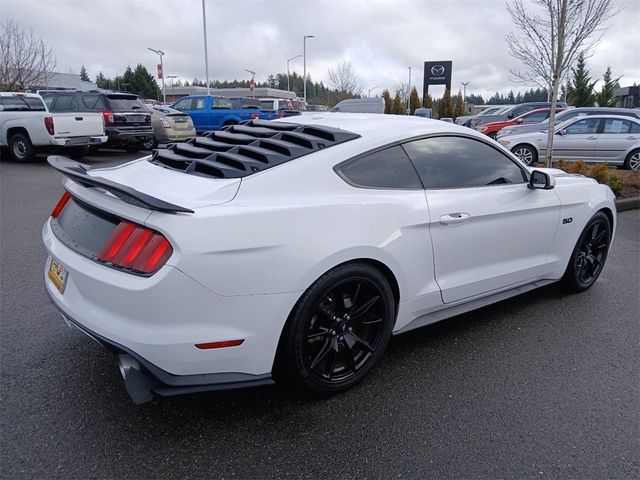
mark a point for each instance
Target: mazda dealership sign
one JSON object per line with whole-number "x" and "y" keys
{"x": 437, "y": 73}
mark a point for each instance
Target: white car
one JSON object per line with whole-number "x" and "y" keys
{"x": 294, "y": 249}
{"x": 614, "y": 139}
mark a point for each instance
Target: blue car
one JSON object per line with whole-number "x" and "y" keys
{"x": 211, "y": 112}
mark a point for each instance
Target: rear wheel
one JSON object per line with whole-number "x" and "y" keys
{"x": 633, "y": 161}
{"x": 526, "y": 153}
{"x": 21, "y": 148}
{"x": 338, "y": 331}
{"x": 150, "y": 144}
{"x": 589, "y": 255}
{"x": 133, "y": 147}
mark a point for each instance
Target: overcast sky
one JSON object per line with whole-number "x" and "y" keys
{"x": 380, "y": 38}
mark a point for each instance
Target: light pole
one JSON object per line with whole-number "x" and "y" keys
{"x": 464, "y": 95}
{"x": 206, "y": 55}
{"x": 409, "y": 94}
{"x": 304, "y": 61}
{"x": 369, "y": 91}
{"x": 288, "y": 60}
{"x": 173, "y": 92}
{"x": 160, "y": 54}
{"x": 253, "y": 74}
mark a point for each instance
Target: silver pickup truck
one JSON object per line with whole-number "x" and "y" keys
{"x": 27, "y": 128}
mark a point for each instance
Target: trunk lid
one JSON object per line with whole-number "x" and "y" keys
{"x": 76, "y": 124}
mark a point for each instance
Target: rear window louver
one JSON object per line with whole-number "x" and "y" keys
{"x": 240, "y": 150}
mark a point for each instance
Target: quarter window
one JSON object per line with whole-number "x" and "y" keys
{"x": 389, "y": 168}
{"x": 457, "y": 162}
{"x": 65, "y": 103}
{"x": 614, "y": 125}
{"x": 93, "y": 102}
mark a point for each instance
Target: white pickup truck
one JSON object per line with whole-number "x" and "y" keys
{"x": 27, "y": 127}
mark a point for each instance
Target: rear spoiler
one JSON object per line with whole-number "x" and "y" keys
{"x": 77, "y": 172}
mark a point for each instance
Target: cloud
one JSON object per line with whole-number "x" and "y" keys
{"x": 380, "y": 38}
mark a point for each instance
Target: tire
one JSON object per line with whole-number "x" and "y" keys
{"x": 589, "y": 255}
{"x": 526, "y": 153}
{"x": 632, "y": 161}
{"x": 21, "y": 148}
{"x": 77, "y": 153}
{"x": 150, "y": 144}
{"x": 133, "y": 147}
{"x": 326, "y": 346}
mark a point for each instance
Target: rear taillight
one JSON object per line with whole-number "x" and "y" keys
{"x": 48, "y": 123}
{"x": 255, "y": 116}
{"x": 60, "y": 205}
{"x": 135, "y": 248}
{"x": 108, "y": 117}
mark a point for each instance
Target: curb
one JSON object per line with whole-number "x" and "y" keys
{"x": 627, "y": 204}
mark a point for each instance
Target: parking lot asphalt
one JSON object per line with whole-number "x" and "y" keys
{"x": 545, "y": 385}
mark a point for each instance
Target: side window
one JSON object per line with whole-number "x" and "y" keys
{"x": 582, "y": 127}
{"x": 93, "y": 102}
{"x": 635, "y": 127}
{"x": 389, "y": 168}
{"x": 198, "y": 104}
{"x": 457, "y": 162}
{"x": 536, "y": 117}
{"x": 520, "y": 110}
{"x": 184, "y": 104}
{"x": 48, "y": 100}
{"x": 65, "y": 103}
{"x": 613, "y": 125}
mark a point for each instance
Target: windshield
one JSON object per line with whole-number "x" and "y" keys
{"x": 221, "y": 103}
{"x": 268, "y": 104}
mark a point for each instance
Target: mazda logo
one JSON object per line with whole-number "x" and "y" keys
{"x": 437, "y": 70}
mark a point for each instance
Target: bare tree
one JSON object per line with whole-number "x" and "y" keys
{"x": 344, "y": 80}
{"x": 25, "y": 60}
{"x": 549, "y": 40}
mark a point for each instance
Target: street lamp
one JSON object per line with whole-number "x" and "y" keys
{"x": 464, "y": 94}
{"x": 369, "y": 91}
{"x": 173, "y": 92}
{"x": 304, "y": 60}
{"x": 160, "y": 54}
{"x": 253, "y": 74}
{"x": 206, "y": 55}
{"x": 409, "y": 94}
{"x": 288, "y": 60}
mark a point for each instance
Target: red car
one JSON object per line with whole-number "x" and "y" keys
{"x": 534, "y": 116}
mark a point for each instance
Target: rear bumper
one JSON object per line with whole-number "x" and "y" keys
{"x": 145, "y": 381}
{"x": 118, "y": 137}
{"x": 168, "y": 136}
{"x": 79, "y": 141}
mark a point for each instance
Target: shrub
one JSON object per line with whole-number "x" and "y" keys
{"x": 615, "y": 183}
{"x": 580, "y": 167}
{"x": 600, "y": 172}
{"x": 562, "y": 165}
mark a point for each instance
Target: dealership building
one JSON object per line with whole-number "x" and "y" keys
{"x": 174, "y": 93}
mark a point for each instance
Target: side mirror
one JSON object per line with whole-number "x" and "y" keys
{"x": 520, "y": 120}
{"x": 541, "y": 180}
{"x": 562, "y": 132}
{"x": 510, "y": 116}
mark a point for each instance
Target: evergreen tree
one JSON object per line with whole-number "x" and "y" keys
{"x": 84, "y": 76}
{"x": 103, "y": 82}
{"x": 427, "y": 102}
{"x": 458, "y": 110}
{"x": 388, "y": 103}
{"x": 581, "y": 91}
{"x": 445, "y": 109}
{"x": 414, "y": 100}
{"x": 511, "y": 98}
{"x": 397, "y": 108}
{"x": 607, "y": 96}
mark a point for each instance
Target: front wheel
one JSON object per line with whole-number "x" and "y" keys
{"x": 338, "y": 331}
{"x": 633, "y": 161}
{"x": 589, "y": 255}
{"x": 526, "y": 153}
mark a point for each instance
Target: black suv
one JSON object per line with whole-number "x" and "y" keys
{"x": 127, "y": 120}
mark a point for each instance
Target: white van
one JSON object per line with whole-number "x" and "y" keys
{"x": 360, "y": 105}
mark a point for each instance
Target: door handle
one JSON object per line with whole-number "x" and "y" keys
{"x": 454, "y": 218}
{"x": 590, "y": 138}
{"x": 631, "y": 138}
{"x": 79, "y": 118}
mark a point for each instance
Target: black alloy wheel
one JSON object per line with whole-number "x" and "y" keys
{"x": 589, "y": 254}
{"x": 150, "y": 143}
{"x": 339, "y": 330}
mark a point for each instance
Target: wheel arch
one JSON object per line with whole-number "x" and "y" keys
{"x": 13, "y": 130}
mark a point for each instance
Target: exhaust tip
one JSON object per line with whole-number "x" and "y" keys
{"x": 126, "y": 363}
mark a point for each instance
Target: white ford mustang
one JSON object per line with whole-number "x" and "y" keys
{"x": 294, "y": 249}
